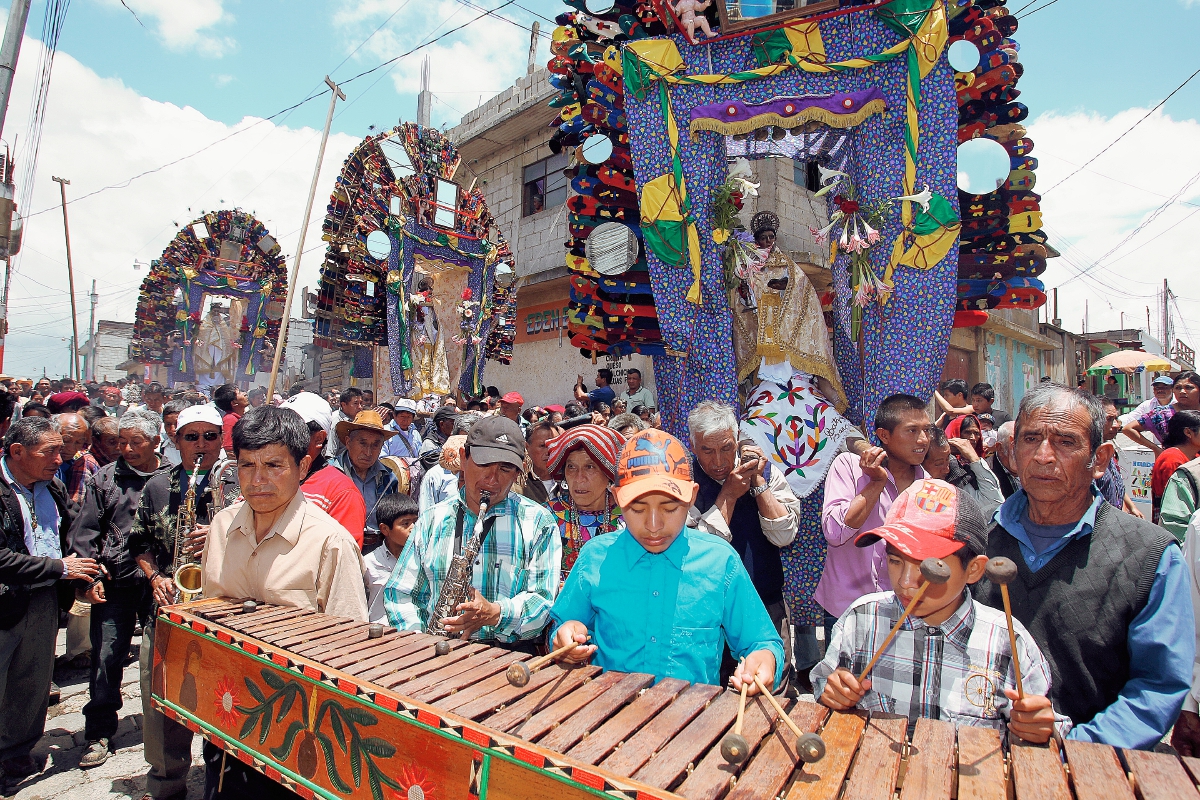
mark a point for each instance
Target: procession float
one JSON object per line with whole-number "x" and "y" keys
{"x": 182, "y": 331}
{"x": 416, "y": 270}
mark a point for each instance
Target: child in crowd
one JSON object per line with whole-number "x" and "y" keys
{"x": 859, "y": 490}
{"x": 951, "y": 659}
{"x": 658, "y": 597}
{"x": 396, "y": 514}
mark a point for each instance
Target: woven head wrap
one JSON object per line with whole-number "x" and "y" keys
{"x": 602, "y": 444}
{"x": 764, "y": 221}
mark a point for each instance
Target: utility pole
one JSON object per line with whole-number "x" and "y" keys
{"x": 1166, "y": 319}
{"x": 531, "y": 65}
{"x": 425, "y": 97}
{"x": 91, "y": 356}
{"x": 285, "y": 323}
{"x": 62, "y": 187}
{"x": 10, "y": 49}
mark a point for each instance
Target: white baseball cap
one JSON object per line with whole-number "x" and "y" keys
{"x": 200, "y": 413}
{"x": 311, "y": 408}
{"x": 404, "y": 404}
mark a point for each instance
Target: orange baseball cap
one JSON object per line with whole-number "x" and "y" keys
{"x": 653, "y": 461}
{"x": 930, "y": 519}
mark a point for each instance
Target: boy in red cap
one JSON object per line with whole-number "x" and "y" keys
{"x": 951, "y": 659}
{"x": 658, "y": 597}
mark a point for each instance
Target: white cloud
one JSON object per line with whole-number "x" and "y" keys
{"x": 184, "y": 24}
{"x": 1094, "y": 210}
{"x": 478, "y": 61}
{"x": 100, "y": 132}
{"x": 221, "y": 81}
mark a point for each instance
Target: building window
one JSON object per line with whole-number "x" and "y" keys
{"x": 545, "y": 184}
{"x": 805, "y": 174}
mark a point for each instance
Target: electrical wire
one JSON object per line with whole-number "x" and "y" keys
{"x": 1039, "y": 8}
{"x": 1110, "y": 145}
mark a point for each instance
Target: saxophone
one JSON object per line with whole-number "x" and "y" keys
{"x": 457, "y": 587}
{"x": 185, "y": 571}
{"x": 219, "y": 501}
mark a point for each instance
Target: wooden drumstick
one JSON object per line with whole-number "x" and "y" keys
{"x": 734, "y": 746}
{"x": 933, "y": 570}
{"x": 519, "y": 671}
{"x": 1002, "y": 571}
{"x": 810, "y": 746}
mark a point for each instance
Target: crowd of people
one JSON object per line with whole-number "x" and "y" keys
{"x": 597, "y": 528}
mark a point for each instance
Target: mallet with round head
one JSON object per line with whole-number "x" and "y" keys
{"x": 734, "y": 747}
{"x": 519, "y": 672}
{"x": 933, "y": 570}
{"x": 1003, "y": 571}
{"x": 809, "y": 746}
{"x": 442, "y": 647}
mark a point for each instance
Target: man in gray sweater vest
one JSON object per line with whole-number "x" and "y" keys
{"x": 1105, "y": 595}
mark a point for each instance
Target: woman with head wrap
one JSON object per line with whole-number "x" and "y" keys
{"x": 585, "y": 457}
{"x": 440, "y": 428}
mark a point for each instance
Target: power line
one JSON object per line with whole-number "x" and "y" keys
{"x": 1039, "y": 8}
{"x": 1160, "y": 104}
{"x": 1155, "y": 214}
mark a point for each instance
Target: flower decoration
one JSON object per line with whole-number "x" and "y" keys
{"x": 720, "y": 235}
{"x": 227, "y": 702}
{"x": 466, "y": 293}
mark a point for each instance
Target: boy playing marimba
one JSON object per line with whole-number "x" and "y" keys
{"x": 661, "y": 598}
{"x": 951, "y": 658}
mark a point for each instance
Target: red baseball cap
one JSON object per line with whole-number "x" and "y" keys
{"x": 653, "y": 461}
{"x": 513, "y": 397}
{"x": 930, "y": 519}
{"x": 558, "y": 408}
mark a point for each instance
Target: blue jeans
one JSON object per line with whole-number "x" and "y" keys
{"x": 112, "y": 629}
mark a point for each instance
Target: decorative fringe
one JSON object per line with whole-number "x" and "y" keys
{"x": 759, "y": 121}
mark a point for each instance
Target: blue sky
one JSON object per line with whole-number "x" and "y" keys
{"x": 129, "y": 97}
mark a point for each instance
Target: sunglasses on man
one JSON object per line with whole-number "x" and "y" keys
{"x": 209, "y": 436}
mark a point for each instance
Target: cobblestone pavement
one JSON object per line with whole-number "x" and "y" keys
{"x": 124, "y": 774}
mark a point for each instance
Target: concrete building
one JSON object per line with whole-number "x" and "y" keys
{"x": 111, "y": 352}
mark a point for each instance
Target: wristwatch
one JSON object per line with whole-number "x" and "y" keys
{"x": 755, "y": 491}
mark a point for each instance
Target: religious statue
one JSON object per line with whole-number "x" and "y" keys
{"x": 691, "y": 16}
{"x": 431, "y": 374}
{"x": 215, "y": 349}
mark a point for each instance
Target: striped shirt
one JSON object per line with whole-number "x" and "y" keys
{"x": 955, "y": 672}
{"x": 518, "y": 567}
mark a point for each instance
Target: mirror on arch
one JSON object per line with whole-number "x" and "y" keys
{"x": 596, "y": 149}
{"x": 963, "y": 55}
{"x": 379, "y": 245}
{"x": 397, "y": 158}
{"x": 983, "y": 166}
{"x": 447, "y": 204}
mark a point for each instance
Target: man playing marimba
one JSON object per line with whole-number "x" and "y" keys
{"x": 279, "y": 548}
{"x": 662, "y": 598}
{"x": 515, "y": 577}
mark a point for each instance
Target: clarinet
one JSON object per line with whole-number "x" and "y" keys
{"x": 457, "y": 587}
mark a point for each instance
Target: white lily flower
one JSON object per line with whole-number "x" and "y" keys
{"x": 830, "y": 178}
{"x": 870, "y": 233}
{"x": 921, "y": 198}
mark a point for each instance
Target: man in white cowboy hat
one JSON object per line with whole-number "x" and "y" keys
{"x": 374, "y": 477}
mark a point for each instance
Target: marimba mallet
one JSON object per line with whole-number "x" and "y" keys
{"x": 1002, "y": 571}
{"x": 519, "y": 671}
{"x": 442, "y": 647}
{"x": 809, "y": 746}
{"x": 734, "y": 747}
{"x": 933, "y": 570}
{"x": 249, "y": 607}
{"x": 375, "y": 631}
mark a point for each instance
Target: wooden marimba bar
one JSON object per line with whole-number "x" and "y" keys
{"x": 319, "y": 705}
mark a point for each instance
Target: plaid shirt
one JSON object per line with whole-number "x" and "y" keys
{"x": 954, "y": 672}
{"x": 518, "y": 567}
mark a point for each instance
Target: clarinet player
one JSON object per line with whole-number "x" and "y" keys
{"x": 514, "y": 578}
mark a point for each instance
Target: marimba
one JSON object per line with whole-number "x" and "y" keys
{"x": 315, "y": 704}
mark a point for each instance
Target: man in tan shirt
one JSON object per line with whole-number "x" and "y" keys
{"x": 277, "y": 547}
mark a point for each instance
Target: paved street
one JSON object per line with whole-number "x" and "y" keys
{"x": 123, "y": 775}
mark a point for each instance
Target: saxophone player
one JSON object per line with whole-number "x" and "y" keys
{"x": 168, "y": 744}
{"x": 514, "y": 578}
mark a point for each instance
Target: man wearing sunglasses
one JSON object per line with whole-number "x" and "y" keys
{"x": 168, "y": 744}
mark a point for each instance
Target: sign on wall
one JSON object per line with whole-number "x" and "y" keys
{"x": 543, "y": 321}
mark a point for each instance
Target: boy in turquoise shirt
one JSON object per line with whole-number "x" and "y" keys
{"x": 660, "y": 598}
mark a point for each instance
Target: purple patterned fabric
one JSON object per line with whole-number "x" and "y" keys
{"x": 838, "y": 103}
{"x": 906, "y": 341}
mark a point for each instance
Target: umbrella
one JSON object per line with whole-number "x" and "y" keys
{"x": 1129, "y": 362}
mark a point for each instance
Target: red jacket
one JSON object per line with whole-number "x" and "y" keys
{"x": 337, "y": 496}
